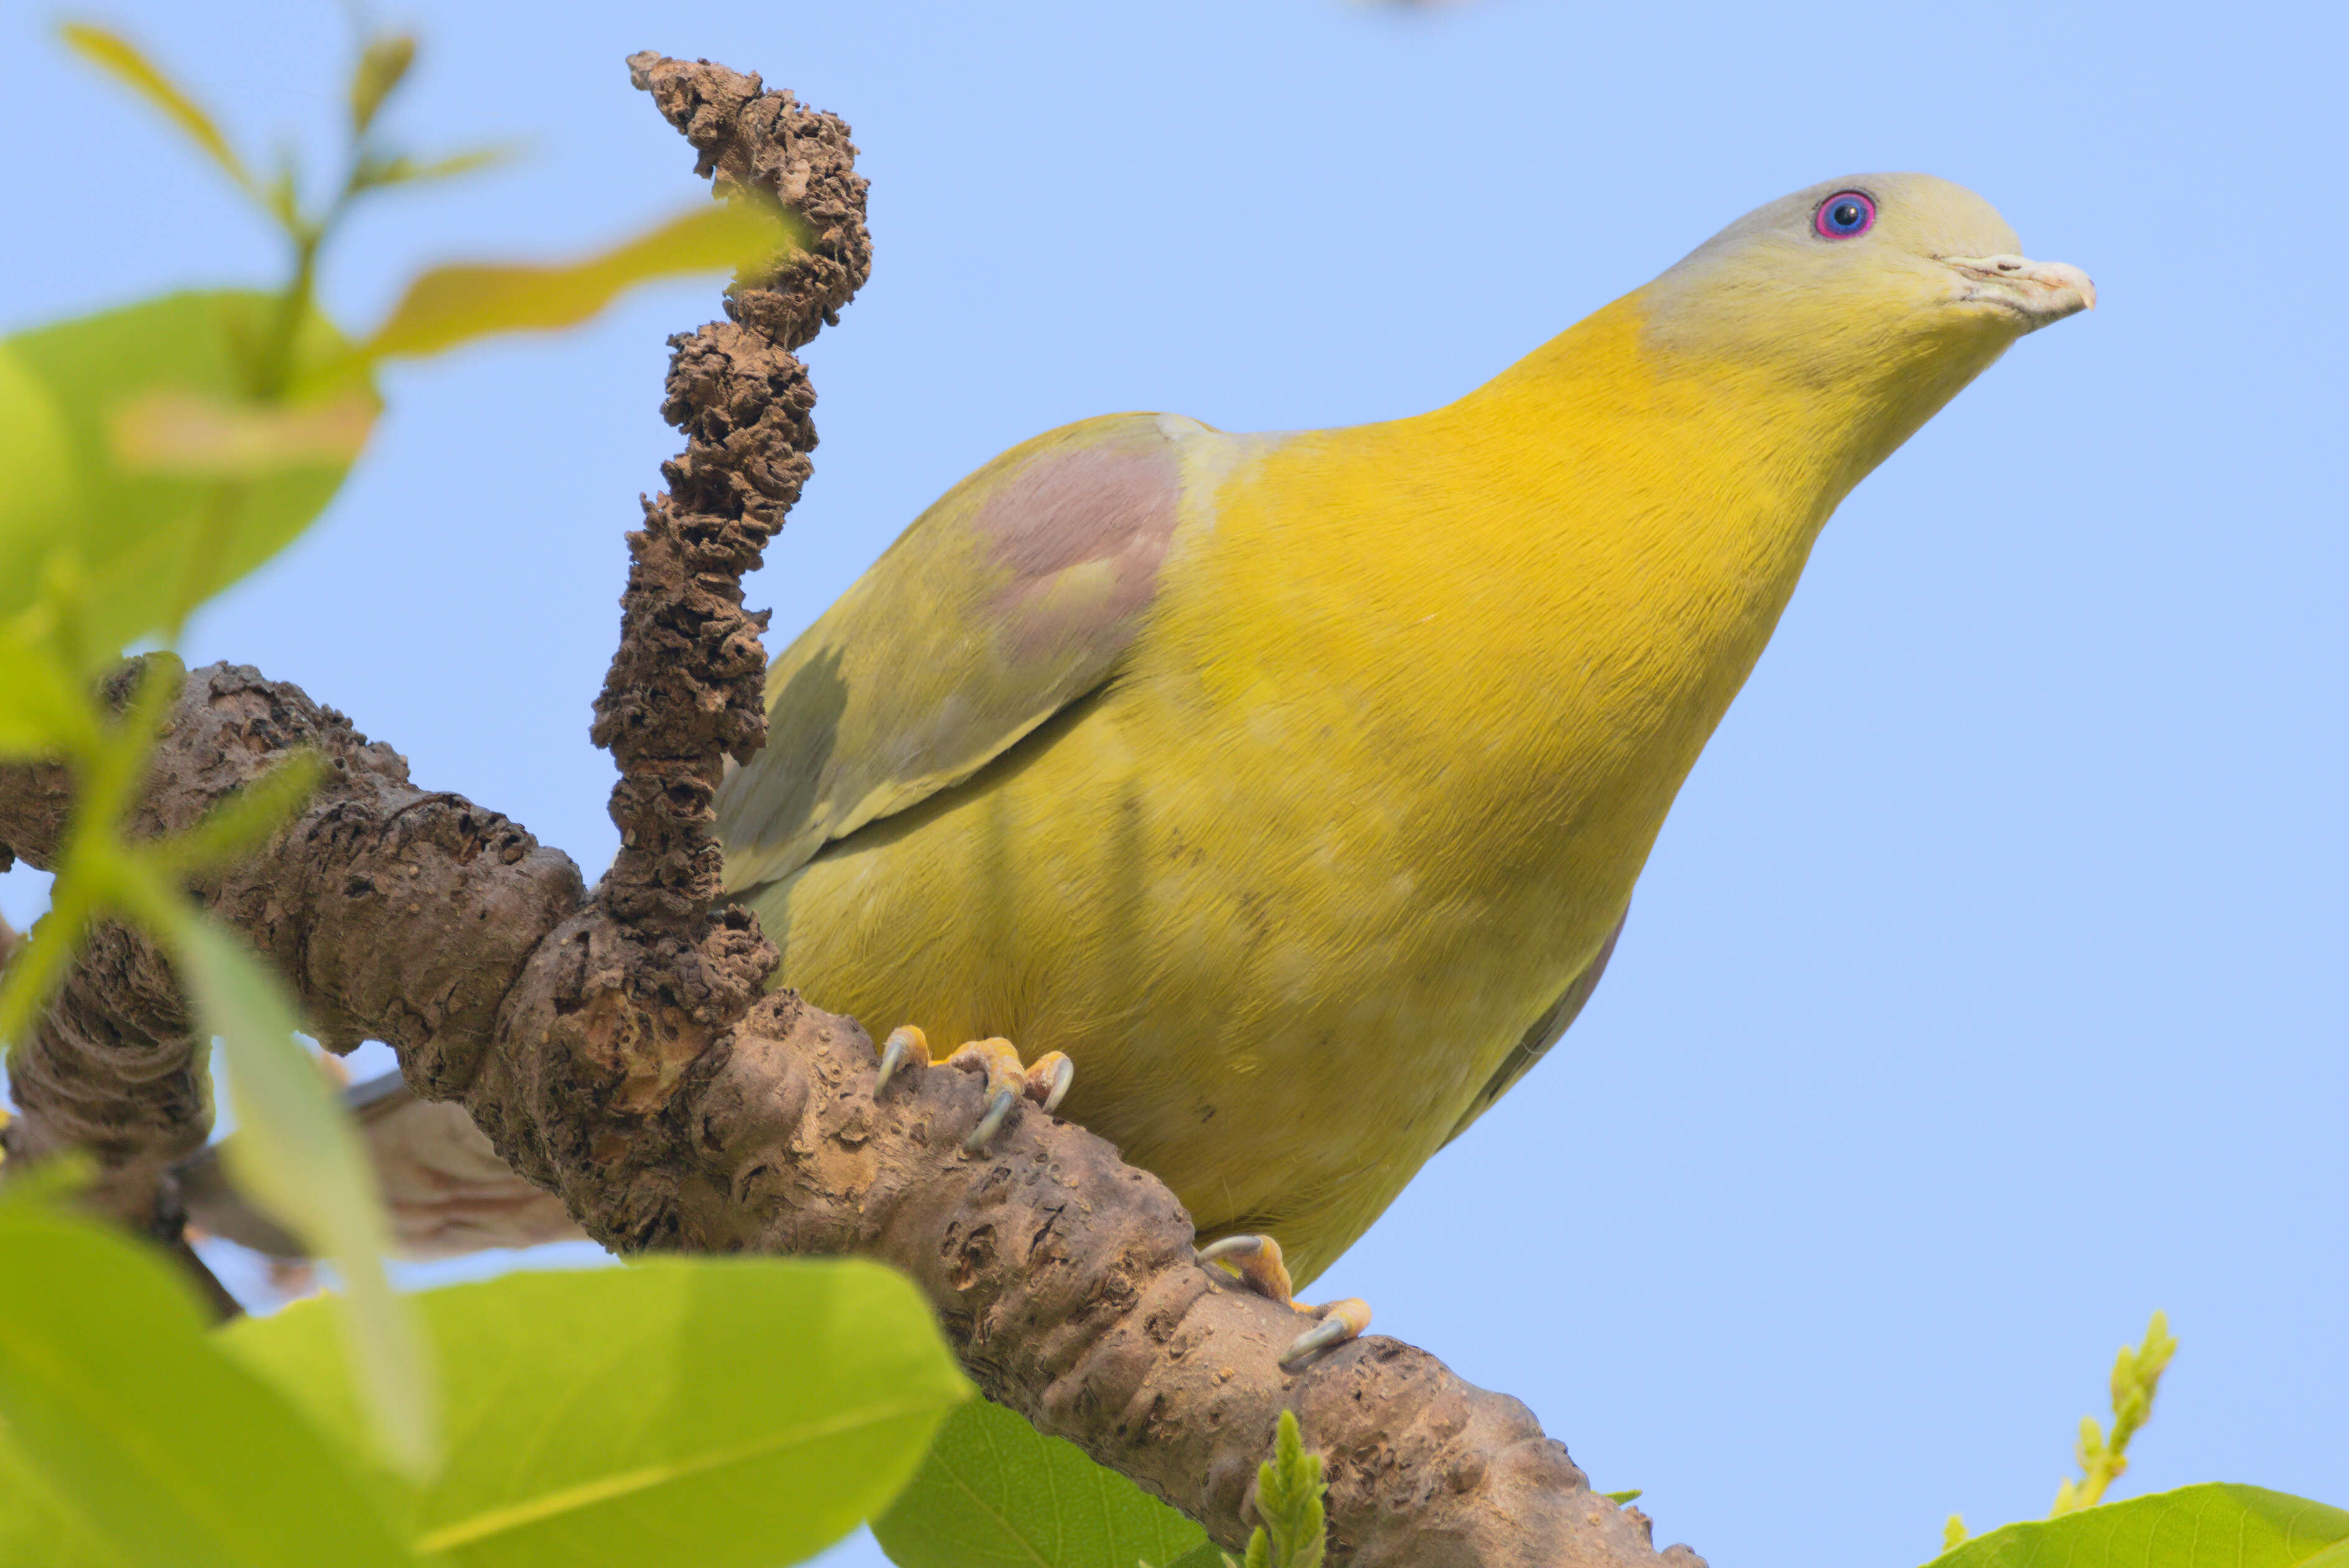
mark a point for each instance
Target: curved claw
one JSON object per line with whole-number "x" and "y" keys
{"x": 1232, "y": 1247}
{"x": 1048, "y": 1079}
{"x": 998, "y": 1106}
{"x": 906, "y": 1044}
{"x": 1258, "y": 1261}
{"x": 1340, "y": 1320}
{"x": 1044, "y": 1081}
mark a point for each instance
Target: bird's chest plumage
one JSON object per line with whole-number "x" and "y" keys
{"x": 1432, "y": 727}
{"x": 1485, "y": 669}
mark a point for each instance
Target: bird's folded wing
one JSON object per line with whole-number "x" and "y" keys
{"x": 1545, "y": 1032}
{"x": 1011, "y": 597}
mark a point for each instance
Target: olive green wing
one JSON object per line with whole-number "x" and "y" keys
{"x": 1545, "y": 1032}
{"x": 1010, "y": 597}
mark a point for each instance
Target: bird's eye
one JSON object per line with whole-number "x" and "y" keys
{"x": 1846, "y": 215}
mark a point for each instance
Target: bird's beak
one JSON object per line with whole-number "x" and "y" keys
{"x": 2035, "y": 291}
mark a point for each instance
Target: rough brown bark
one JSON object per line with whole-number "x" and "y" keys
{"x": 619, "y": 1049}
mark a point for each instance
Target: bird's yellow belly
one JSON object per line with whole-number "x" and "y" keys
{"x": 1281, "y": 991}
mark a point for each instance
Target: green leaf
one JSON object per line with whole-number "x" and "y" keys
{"x": 382, "y": 65}
{"x": 996, "y": 1491}
{"x": 375, "y": 172}
{"x": 158, "y": 1442}
{"x": 2214, "y": 1526}
{"x": 39, "y": 490}
{"x": 127, "y": 63}
{"x": 1206, "y": 1554}
{"x": 707, "y": 1411}
{"x": 297, "y": 1156}
{"x": 248, "y": 817}
{"x": 41, "y": 713}
{"x": 191, "y": 435}
{"x": 153, "y": 539}
{"x": 38, "y": 1529}
{"x": 453, "y": 304}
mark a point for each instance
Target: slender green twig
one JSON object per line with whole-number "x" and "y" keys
{"x": 1288, "y": 1499}
{"x": 2136, "y": 1377}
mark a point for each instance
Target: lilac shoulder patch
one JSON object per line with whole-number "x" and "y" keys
{"x": 1110, "y": 507}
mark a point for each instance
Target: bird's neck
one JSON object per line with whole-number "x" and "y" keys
{"x": 1644, "y": 519}
{"x": 1678, "y": 498}
{"x": 1740, "y": 460}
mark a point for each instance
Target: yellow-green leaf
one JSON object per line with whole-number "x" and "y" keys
{"x": 2214, "y": 1526}
{"x": 453, "y": 304}
{"x": 1206, "y": 1554}
{"x": 297, "y": 1156}
{"x": 192, "y": 435}
{"x": 402, "y": 170}
{"x": 382, "y": 65}
{"x": 245, "y": 818}
{"x": 153, "y": 1439}
{"x": 39, "y": 490}
{"x": 725, "y": 1413}
{"x": 994, "y": 1490}
{"x": 213, "y": 487}
{"x": 127, "y": 63}
{"x": 41, "y": 713}
{"x": 38, "y": 1529}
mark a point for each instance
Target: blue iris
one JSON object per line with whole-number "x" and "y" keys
{"x": 1845, "y": 214}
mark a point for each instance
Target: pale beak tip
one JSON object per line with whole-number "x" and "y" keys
{"x": 2040, "y": 292}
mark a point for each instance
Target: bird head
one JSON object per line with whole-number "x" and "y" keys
{"x": 1886, "y": 293}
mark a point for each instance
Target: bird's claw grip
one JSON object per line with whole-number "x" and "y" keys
{"x": 1340, "y": 1320}
{"x": 998, "y": 1106}
{"x": 907, "y": 1046}
{"x": 1046, "y": 1082}
{"x": 1257, "y": 1261}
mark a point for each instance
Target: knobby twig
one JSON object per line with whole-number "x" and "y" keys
{"x": 619, "y": 1049}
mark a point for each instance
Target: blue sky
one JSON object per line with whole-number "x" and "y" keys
{"x": 1983, "y": 993}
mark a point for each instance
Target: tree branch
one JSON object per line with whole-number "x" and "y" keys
{"x": 619, "y": 1049}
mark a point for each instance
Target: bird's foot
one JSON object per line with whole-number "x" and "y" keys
{"x": 1045, "y": 1081}
{"x": 1257, "y": 1261}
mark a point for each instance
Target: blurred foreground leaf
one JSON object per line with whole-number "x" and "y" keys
{"x": 297, "y": 1156}
{"x": 193, "y": 435}
{"x": 41, "y": 713}
{"x": 725, "y": 1413}
{"x": 125, "y": 61}
{"x": 383, "y": 65}
{"x": 37, "y": 1529}
{"x": 165, "y": 1446}
{"x": 2215, "y": 1526}
{"x": 449, "y": 305}
{"x": 375, "y": 172}
{"x": 179, "y": 520}
{"x": 996, "y": 1490}
{"x": 38, "y": 485}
